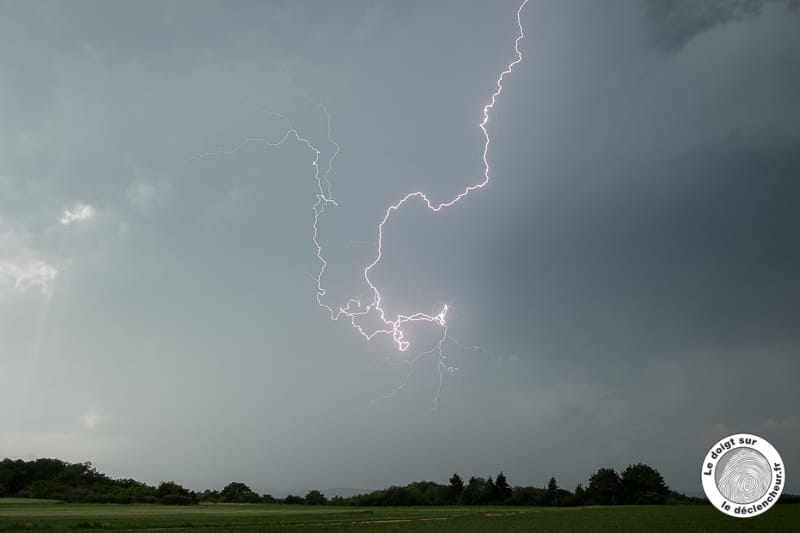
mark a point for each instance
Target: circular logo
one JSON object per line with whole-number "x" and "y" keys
{"x": 743, "y": 475}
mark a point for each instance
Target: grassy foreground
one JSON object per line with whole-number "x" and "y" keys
{"x": 38, "y": 515}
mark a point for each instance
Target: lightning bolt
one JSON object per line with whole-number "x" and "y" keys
{"x": 354, "y": 310}
{"x": 394, "y": 327}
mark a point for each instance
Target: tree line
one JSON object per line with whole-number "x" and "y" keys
{"x": 81, "y": 482}
{"x": 637, "y": 484}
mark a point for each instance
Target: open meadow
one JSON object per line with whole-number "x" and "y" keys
{"x": 26, "y": 515}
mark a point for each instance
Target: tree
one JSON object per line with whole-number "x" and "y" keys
{"x": 488, "y": 493}
{"x": 315, "y": 497}
{"x": 552, "y": 492}
{"x": 455, "y": 489}
{"x": 408, "y": 495}
{"x": 432, "y": 493}
{"x": 292, "y": 499}
{"x": 473, "y": 490}
{"x": 78, "y": 474}
{"x": 502, "y": 488}
{"x": 208, "y": 495}
{"x": 579, "y": 497}
{"x": 171, "y": 493}
{"x": 643, "y": 484}
{"x": 237, "y": 492}
{"x": 605, "y": 487}
{"x": 527, "y": 496}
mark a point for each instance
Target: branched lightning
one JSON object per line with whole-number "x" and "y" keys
{"x": 354, "y": 309}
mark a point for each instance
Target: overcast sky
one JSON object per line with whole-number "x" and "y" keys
{"x": 625, "y": 289}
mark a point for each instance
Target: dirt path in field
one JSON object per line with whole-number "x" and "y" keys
{"x": 400, "y": 520}
{"x": 359, "y": 522}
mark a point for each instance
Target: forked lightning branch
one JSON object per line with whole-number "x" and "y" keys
{"x": 355, "y": 310}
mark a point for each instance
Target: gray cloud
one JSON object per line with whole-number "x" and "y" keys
{"x": 676, "y": 22}
{"x": 631, "y": 263}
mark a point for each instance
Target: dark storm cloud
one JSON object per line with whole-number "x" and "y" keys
{"x": 660, "y": 259}
{"x": 631, "y": 263}
{"x": 691, "y": 253}
{"x": 675, "y": 22}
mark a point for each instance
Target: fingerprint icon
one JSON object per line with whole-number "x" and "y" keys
{"x": 743, "y": 475}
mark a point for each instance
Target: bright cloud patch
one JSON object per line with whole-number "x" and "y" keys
{"x": 27, "y": 273}
{"x": 91, "y": 418}
{"x": 81, "y": 212}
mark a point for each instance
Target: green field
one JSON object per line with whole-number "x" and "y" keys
{"x": 31, "y": 515}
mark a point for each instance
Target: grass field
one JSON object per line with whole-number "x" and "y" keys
{"x": 32, "y": 515}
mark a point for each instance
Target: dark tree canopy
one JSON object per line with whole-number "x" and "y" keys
{"x": 553, "y": 495}
{"x": 315, "y": 497}
{"x": 70, "y": 482}
{"x": 579, "y": 497}
{"x": 237, "y": 492}
{"x": 81, "y": 482}
{"x": 605, "y": 487}
{"x": 172, "y": 493}
{"x": 501, "y": 486}
{"x": 456, "y": 487}
{"x": 643, "y": 484}
{"x": 473, "y": 491}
